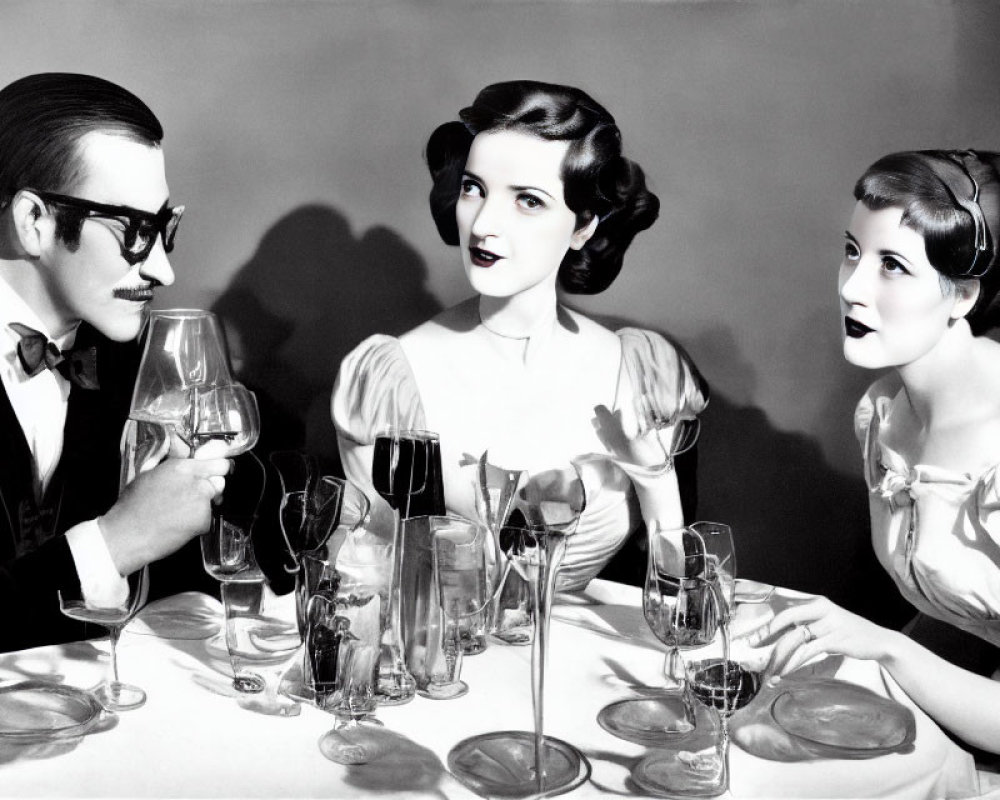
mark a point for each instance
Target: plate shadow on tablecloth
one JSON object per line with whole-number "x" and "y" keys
{"x": 403, "y": 762}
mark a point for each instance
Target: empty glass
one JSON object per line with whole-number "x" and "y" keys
{"x": 112, "y": 693}
{"x": 442, "y": 581}
{"x": 464, "y": 590}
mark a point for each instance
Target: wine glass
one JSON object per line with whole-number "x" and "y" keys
{"x": 720, "y": 560}
{"x": 521, "y": 763}
{"x": 112, "y": 693}
{"x": 552, "y": 499}
{"x": 229, "y": 417}
{"x": 315, "y": 523}
{"x": 406, "y": 472}
{"x": 184, "y": 354}
{"x": 680, "y": 608}
{"x": 724, "y": 676}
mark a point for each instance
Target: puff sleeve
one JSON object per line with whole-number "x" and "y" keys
{"x": 375, "y": 390}
{"x": 987, "y": 506}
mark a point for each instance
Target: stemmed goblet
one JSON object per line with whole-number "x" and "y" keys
{"x": 183, "y": 351}
{"x": 184, "y": 355}
{"x": 680, "y": 607}
{"x": 551, "y": 502}
{"x": 724, "y": 676}
{"x": 186, "y": 387}
{"x": 112, "y": 693}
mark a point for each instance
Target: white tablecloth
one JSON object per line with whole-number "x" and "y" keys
{"x": 194, "y": 739}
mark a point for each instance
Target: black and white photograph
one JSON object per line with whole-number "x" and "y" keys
{"x": 500, "y": 398}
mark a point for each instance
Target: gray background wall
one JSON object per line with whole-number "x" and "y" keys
{"x": 294, "y": 137}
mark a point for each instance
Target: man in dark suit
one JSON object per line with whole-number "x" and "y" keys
{"x": 85, "y": 228}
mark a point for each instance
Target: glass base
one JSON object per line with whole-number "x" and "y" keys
{"x": 395, "y": 689}
{"x": 682, "y": 773}
{"x": 518, "y": 636}
{"x": 502, "y": 764}
{"x": 118, "y": 696}
{"x": 357, "y": 742}
{"x": 474, "y": 644}
{"x": 666, "y": 719}
{"x": 248, "y": 683}
{"x": 444, "y": 691}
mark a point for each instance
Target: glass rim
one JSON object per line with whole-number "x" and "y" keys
{"x": 182, "y": 313}
{"x": 416, "y": 433}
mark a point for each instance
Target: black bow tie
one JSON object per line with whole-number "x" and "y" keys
{"x": 36, "y": 352}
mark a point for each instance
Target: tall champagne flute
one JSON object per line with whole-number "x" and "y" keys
{"x": 551, "y": 502}
{"x": 112, "y": 693}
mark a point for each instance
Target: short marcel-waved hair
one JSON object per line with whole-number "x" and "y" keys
{"x": 952, "y": 199}
{"x": 597, "y": 179}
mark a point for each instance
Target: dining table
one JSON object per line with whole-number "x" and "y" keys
{"x": 196, "y": 737}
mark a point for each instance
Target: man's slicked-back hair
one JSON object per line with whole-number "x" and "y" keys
{"x": 44, "y": 116}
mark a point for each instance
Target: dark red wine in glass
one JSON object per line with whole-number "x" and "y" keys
{"x": 406, "y": 472}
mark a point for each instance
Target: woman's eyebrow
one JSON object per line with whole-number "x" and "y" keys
{"x": 532, "y": 189}
{"x": 895, "y": 254}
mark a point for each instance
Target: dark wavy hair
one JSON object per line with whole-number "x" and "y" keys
{"x": 43, "y": 117}
{"x": 952, "y": 199}
{"x": 597, "y": 179}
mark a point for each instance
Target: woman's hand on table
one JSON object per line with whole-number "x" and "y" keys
{"x": 814, "y": 627}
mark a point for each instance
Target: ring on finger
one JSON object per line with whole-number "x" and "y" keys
{"x": 807, "y": 634}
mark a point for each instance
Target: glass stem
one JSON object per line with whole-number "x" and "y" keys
{"x": 114, "y": 631}
{"x": 550, "y": 552}
{"x": 538, "y": 650}
{"x": 395, "y": 612}
{"x": 673, "y": 669}
{"x": 453, "y": 653}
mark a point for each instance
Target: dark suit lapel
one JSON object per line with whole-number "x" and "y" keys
{"x": 16, "y": 478}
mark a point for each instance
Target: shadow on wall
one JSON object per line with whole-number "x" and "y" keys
{"x": 310, "y": 293}
{"x": 797, "y": 521}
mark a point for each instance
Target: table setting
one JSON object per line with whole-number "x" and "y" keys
{"x": 443, "y": 661}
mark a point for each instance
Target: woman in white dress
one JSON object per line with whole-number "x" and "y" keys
{"x": 532, "y": 186}
{"x": 918, "y": 287}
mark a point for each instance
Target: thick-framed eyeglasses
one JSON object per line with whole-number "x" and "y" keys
{"x": 140, "y": 228}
